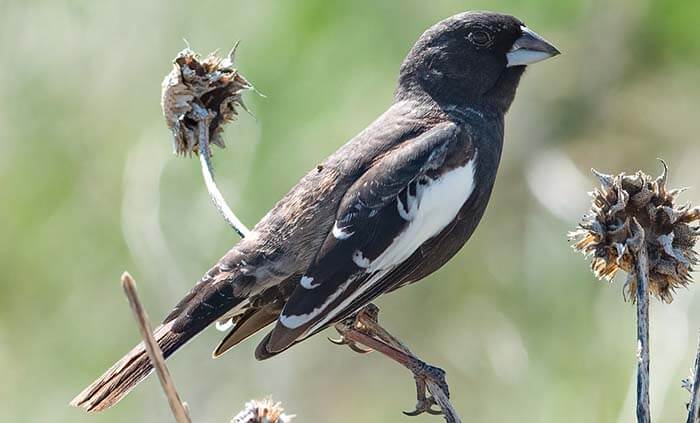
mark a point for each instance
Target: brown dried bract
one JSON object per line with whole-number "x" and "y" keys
{"x": 265, "y": 411}
{"x": 632, "y": 211}
{"x": 201, "y": 90}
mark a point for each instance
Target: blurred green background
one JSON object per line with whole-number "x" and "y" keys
{"x": 90, "y": 188}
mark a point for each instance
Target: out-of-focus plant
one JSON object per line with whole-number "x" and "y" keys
{"x": 199, "y": 97}
{"x": 265, "y": 411}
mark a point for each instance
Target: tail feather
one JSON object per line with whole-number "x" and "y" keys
{"x": 205, "y": 303}
{"x": 125, "y": 374}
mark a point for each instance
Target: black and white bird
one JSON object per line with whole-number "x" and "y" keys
{"x": 390, "y": 207}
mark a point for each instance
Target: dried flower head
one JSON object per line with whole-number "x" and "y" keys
{"x": 265, "y": 411}
{"x": 197, "y": 90}
{"x": 634, "y": 211}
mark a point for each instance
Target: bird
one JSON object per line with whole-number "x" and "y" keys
{"x": 388, "y": 208}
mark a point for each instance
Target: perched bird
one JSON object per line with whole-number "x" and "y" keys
{"x": 390, "y": 207}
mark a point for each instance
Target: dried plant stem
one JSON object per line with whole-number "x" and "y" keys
{"x": 694, "y": 408}
{"x": 642, "y": 273}
{"x": 154, "y": 353}
{"x": 208, "y": 175}
{"x": 439, "y": 395}
{"x": 613, "y": 237}
{"x": 404, "y": 356}
{"x": 441, "y": 398}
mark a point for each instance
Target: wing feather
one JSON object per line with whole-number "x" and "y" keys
{"x": 373, "y": 212}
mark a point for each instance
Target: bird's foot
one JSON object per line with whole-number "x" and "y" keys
{"x": 363, "y": 328}
{"x": 423, "y": 374}
{"x": 425, "y": 402}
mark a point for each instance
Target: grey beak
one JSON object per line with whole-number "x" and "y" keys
{"x": 530, "y": 48}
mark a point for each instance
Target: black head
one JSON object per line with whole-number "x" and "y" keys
{"x": 474, "y": 58}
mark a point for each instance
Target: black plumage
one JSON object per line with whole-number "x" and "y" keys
{"x": 388, "y": 208}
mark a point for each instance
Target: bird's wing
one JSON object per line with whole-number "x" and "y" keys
{"x": 246, "y": 325}
{"x": 363, "y": 244}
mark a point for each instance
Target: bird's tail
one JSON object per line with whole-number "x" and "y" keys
{"x": 205, "y": 303}
{"x": 125, "y": 374}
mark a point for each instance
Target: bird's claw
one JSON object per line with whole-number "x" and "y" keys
{"x": 352, "y": 345}
{"x": 358, "y": 349}
{"x": 339, "y": 341}
{"x": 355, "y": 322}
{"x": 424, "y": 406}
{"x": 425, "y": 402}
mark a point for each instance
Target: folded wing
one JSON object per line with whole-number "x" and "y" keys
{"x": 398, "y": 204}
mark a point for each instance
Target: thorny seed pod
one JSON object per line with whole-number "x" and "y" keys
{"x": 264, "y": 411}
{"x": 201, "y": 90}
{"x": 634, "y": 211}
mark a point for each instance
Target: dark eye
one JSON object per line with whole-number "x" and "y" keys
{"x": 480, "y": 38}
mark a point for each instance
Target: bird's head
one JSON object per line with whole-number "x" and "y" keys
{"x": 472, "y": 58}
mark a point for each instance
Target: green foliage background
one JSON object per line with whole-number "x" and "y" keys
{"x": 89, "y": 188}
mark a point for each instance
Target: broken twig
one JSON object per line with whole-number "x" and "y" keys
{"x": 178, "y": 408}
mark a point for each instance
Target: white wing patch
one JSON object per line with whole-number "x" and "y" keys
{"x": 437, "y": 204}
{"x": 307, "y": 282}
{"x": 408, "y": 211}
{"x": 341, "y": 233}
{"x": 360, "y": 260}
{"x": 294, "y": 321}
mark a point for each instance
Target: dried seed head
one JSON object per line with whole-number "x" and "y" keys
{"x": 201, "y": 90}
{"x": 265, "y": 411}
{"x": 633, "y": 211}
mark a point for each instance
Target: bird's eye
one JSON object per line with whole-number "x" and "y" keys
{"x": 480, "y": 38}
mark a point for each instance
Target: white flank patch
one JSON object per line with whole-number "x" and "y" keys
{"x": 307, "y": 282}
{"x": 438, "y": 203}
{"x": 339, "y": 233}
{"x": 294, "y": 321}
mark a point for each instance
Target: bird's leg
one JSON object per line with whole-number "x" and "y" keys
{"x": 358, "y": 321}
{"x": 364, "y": 328}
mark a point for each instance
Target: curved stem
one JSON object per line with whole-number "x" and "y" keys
{"x": 208, "y": 175}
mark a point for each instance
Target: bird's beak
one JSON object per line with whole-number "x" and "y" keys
{"x": 530, "y": 48}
